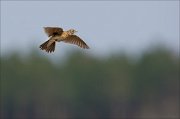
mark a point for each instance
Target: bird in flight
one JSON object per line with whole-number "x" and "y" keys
{"x": 57, "y": 34}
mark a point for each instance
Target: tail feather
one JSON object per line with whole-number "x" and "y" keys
{"x": 51, "y": 48}
{"x": 48, "y": 49}
{"x": 44, "y": 45}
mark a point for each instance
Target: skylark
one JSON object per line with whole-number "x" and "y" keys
{"x": 57, "y": 34}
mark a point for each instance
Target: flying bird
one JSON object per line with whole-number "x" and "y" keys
{"x": 57, "y": 34}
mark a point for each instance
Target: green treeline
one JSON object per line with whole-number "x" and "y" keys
{"x": 88, "y": 87}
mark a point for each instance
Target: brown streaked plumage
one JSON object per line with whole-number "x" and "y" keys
{"x": 57, "y": 34}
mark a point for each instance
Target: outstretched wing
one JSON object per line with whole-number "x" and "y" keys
{"x": 73, "y": 39}
{"x": 52, "y": 31}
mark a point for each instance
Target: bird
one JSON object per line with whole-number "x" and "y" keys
{"x": 56, "y": 34}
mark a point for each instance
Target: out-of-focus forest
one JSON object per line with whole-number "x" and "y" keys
{"x": 83, "y": 86}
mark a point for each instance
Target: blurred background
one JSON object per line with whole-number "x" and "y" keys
{"x": 130, "y": 72}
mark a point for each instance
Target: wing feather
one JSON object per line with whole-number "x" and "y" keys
{"x": 73, "y": 39}
{"x": 52, "y": 31}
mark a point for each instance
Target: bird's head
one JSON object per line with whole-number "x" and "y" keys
{"x": 72, "y": 31}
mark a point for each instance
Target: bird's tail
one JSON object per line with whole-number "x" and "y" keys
{"x": 47, "y": 48}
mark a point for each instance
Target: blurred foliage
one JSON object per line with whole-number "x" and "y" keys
{"x": 87, "y": 87}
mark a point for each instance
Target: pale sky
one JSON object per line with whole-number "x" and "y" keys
{"x": 106, "y": 26}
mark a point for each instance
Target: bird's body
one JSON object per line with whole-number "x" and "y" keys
{"x": 57, "y": 34}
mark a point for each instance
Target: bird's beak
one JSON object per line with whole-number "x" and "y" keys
{"x": 76, "y": 31}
